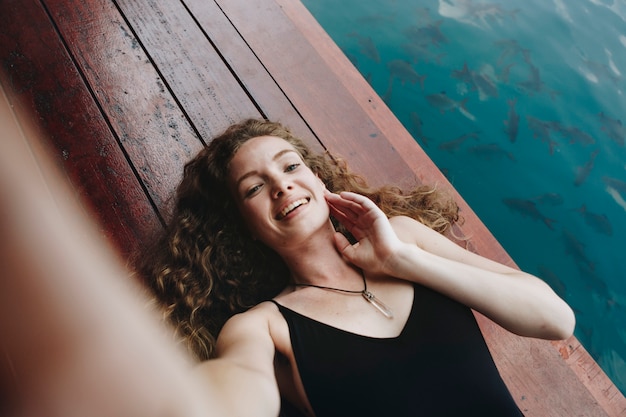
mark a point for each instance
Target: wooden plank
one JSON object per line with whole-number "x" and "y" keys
{"x": 531, "y": 367}
{"x": 603, "y": 389}
{"x": 152, "y": 128}
{"x": 194, "y": 71}
{"x": 247, "y": 68}
{"x": 43, "y": 83}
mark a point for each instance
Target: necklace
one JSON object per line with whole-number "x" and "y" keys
{"x": 369, "y": 297}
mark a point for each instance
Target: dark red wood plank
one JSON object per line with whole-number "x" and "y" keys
{"x": 250, "y": 72}
{"x": 188, "y": 62}
{"x": 44, "y": 84}
{"x": 146, "y": 118}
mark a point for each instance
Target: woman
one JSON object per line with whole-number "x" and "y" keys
{"x": 376, "y": 325}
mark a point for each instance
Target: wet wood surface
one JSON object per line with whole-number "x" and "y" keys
{"x": 126, "y": 91}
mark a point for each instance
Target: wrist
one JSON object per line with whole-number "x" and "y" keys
{"x": 401, "y": 261}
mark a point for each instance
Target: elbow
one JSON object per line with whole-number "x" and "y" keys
{"x": 568, "y": 324}
{"x": 561, "y": 326}
{"x": 558, "y": 317}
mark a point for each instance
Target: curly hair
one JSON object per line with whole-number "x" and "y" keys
{"x": 205, "y": 267}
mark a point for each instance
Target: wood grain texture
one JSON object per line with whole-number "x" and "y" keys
{"x": 249, "y": 71}
{"x": 152, "y": 129}
{"x": 194, "y": 71}
{"x": 45, "y": 85}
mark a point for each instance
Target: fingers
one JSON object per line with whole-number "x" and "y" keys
{"x": 344, "y": 247}
{"x": 346, "y": 212}
{"x": 350, "y": 205}
{"x": 349, "y": 201}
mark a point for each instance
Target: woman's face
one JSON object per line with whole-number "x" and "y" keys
{"x": 279, "y": 197}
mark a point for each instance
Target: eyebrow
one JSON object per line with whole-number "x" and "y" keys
{"x": 277, "y": 156}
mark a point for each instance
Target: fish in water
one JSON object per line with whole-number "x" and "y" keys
{"x": 505, "y": 73}
{"x": 552, "y": 199}
{"x": 510, "y": 48}
{"x": 613, "y": 128}
{"x": 443, "y": 103}
{"x": 583, "y": 171}
{"x": 576, "y": 249}
{"x": 512, "y": 123}
{"x": 481, "y": 81}
{"x": 368, "y": 47}
{"x": 491, "y": 150}
{"x": 454, "y": 144}
{"x": 542, "y": 130}
{"x": 405, "y": 72}
{"x": 429, "y": 33}
{"x": 534, "y": 84}
{"x": 528, "y": 208}
{"x": 599, "y": 222}
{"x": 484, "y": 82}
{"x": 421, "y": 53}
{"x": 463, "y": 75}
{"x": 575, "y": 135}
{"x": 417, "y": 123}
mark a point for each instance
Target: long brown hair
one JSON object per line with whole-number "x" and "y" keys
{"x": 205, "y": 267}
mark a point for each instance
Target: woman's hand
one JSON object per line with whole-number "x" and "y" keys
{"x": 377, "y": 242}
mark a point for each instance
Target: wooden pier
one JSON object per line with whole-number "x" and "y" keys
{"x": 126, "y": 91}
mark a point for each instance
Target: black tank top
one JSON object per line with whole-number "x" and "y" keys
{"x": 438, "y": 366}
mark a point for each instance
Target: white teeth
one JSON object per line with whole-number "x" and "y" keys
{"x": 292, "y": 206}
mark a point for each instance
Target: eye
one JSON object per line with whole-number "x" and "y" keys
{"x": 252, "y": 190}
{"x": 291, "y": 167}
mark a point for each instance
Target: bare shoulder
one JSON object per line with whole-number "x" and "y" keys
{"x": 254, "y": 322}
{"x": 248, "y": 329}
{"x": 253, "y": 337}
{"x": 412, "y": 231}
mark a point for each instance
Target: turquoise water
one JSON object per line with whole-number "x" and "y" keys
{"x": 521, "y": 105}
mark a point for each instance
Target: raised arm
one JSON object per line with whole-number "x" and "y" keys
{"x": 406, "y": 249}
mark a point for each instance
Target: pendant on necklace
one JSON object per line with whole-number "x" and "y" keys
{"x": 380, "y": 306}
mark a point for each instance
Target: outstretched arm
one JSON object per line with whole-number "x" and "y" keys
{"x": 245, "y": 366}
{"x": 403, "y": 247}
{"x": 76, "y": 338}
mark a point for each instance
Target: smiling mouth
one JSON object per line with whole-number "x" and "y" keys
{"x": 291, "y": 207}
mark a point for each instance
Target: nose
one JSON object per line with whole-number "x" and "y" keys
{"x": 280, "y": 186}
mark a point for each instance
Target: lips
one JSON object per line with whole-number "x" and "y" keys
{"x": 291, "y": 207}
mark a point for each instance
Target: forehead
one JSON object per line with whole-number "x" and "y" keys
{"x": 258, "y": 152}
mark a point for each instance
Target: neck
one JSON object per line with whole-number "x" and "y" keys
{"x": 305, "y": 266}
